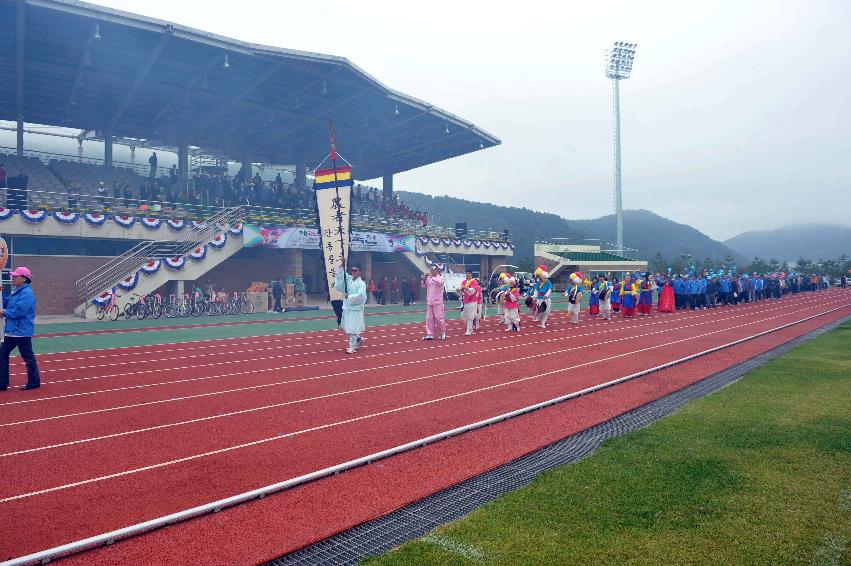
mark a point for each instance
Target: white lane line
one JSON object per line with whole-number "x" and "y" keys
{"x": 363, "y": 417}
{"x": 632, "y": 324}
{"x": 359, "y": 390}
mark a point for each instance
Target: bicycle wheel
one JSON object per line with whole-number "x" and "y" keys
{"x": 113, "y": 312}
{"x": 197, "y": 309}
{"x": 185, "y": 309}
{"x": 156, "y": 310}
{"x": 128, "y": 310}
{"x": 247, "y": 307}
{"x": 141, "y": 310}
{"x": 171, "y": 310}
{"x": 100, "y": 312}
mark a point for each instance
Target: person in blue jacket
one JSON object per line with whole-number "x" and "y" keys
{"x": 679, "y": 291}
{"x": 19, "y": 317}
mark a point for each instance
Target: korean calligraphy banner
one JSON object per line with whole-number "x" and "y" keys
{"x": 254, "y": 236}
{"x": 333, "y": 196}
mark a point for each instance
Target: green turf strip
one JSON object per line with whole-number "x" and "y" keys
{"x": 317, "y": 320}
{"x": 758, "y": 473}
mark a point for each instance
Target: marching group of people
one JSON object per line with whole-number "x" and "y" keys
{"x": 635, "y": 293}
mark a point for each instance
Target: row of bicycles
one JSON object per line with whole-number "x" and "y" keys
{"x": 191, "y": 304}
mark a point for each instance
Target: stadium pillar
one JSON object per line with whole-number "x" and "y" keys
{"x": 179, "y": 289}
{"x": 107, "y": 148}
{"x": 183, "y": 167}
{"x": 246, "y": 167}
{"x": 388, "y": 187}
{"x": 300, "y": 173}
{"x": 19, "y": 76}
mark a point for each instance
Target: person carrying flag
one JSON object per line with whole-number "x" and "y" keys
{"x": 354, "y": 297}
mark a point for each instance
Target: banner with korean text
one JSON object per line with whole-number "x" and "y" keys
{"x": 309, "y": 239}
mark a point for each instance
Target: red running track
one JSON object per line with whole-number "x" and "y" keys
{"x": 119, "y": 442}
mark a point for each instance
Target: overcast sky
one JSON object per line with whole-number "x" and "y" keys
{"x": 736, "y": 116}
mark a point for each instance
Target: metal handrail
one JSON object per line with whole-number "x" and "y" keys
{"x": 108, "y": 275}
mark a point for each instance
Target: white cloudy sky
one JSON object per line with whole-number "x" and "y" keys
{"x": 736, "y": 117}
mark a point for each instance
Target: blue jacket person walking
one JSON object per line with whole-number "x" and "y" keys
{"x": 18, "y": 313}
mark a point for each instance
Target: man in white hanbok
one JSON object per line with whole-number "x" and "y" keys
{"x": 354, "y": 291}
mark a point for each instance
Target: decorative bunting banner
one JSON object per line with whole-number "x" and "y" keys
{"x": 176, "y": 225}
{"x": 151, "y": 223}
{"x": 151, "y": 267}
{"x": 236, "y": 229}
{"x": 103, "y": 298}
{"x": 129, "y": 283}
{"x": 198, "y": 253}
{"x": 219, "y": 240}
{"x": 66, "y": 217}
{"x": 6, "y": 212}
{"x": 175, "y": 263}
{"x": 33, "y": 216}
{"x": 124, "y": 220}
{"x": 95, "y": 218}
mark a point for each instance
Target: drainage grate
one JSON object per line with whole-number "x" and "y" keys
{"x": 417, "y": 519}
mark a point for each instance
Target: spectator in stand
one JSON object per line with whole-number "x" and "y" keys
{"x": 103, "y": 193}
{"x": 144, "y": 193}
{"x": 277, "y": 293}
{"x": 394, "y": 290}
{"x": 172, "y": 175}
{"x": 128, "y": 195}
{"x": 372, "y": 288}
{"x": 152, "y": 161}
{"x": 2, "y": 176}
{"x": 73, "y": 195}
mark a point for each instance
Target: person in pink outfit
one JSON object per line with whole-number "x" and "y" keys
{"x": 432, "y": 282}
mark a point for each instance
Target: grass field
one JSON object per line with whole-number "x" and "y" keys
{"x": 758, "y": 473}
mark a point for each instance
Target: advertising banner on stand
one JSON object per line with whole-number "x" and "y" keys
{"x": 309, "y": 239}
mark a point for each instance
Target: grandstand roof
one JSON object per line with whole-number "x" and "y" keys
{"x": 100, "y": 69}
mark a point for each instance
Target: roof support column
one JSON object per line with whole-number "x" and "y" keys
{"x": 246, "y": 168}
{"x": 300, "y": 172}
{"x": 19, "y": 68}
{"x": 387, "y": 187}
{"x": 107, "y": 148}
{"x": 183, "y": 167}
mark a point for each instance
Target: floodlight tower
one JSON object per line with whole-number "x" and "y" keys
{"x": 619, "y": 66}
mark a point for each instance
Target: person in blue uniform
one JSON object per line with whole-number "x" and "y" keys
{"x": 679, "y": 292}
{"x": 18, "y": 313}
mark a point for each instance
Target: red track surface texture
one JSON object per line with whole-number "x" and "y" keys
{"x": 122, "y": 436}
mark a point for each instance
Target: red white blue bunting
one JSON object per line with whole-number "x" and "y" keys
{"x": 176, "y": 225}
{"x": 430, "y": 263}
{"x": 66, "y": 217}
{"x": 198, "y": 253}
{"x": 195, "y": 224}
{"x": 151, "y": 267}
{"x": 102, "y": 299}
{"x": 486, "y": 244}
{"x": 33, "y": 216}
{"x": 456, "y": 242}
{"x": 236, "y": 229}
{"x": 175, "y": 263}
{"x": 151, "y": 223}
{"x": 219, "y": 240}
{"x": 124, "y": 220}
{"x": 95, "y": 218}
{"x": 129, "y": 283}
{"x": 467, "y": 243}
{"x": 6, "y": 212}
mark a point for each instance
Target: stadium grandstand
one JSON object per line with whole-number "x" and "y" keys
{"x": 226, "y": 110}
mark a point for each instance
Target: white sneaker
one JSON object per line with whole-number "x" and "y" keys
{"x": 428, "y": 337}
{"x": 443, "y": 336}
{"x": 544, "y": 326}
{"x": 468, "y": 334}
{"x": 349, "y": 351}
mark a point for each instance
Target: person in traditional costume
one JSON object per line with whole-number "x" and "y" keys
{"x": 605, "y": 298}
{"x": 511, "y": 306}
{"x": 542, "y": 295}
{"x": 574, "y": 297}
{"x": 481, "y": 306}
{"x": 645, "y": 297}
{"x": 629, "y": 296}
{"x": 354, "y": 297}
{"x": 432, "y": 282}
{"x": 594, "y": 299}
{"x": 502, "y": 287}
{"x": 469, "y": 295}
{"x": 616, "y": 295}
{"x": 667, "y": 299}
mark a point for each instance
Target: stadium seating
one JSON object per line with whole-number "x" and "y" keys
{"x": 88, "y": 175}
{"x": 41, "y": 177}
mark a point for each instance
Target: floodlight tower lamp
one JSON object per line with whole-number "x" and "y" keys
{"x": 618, "y": 66}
